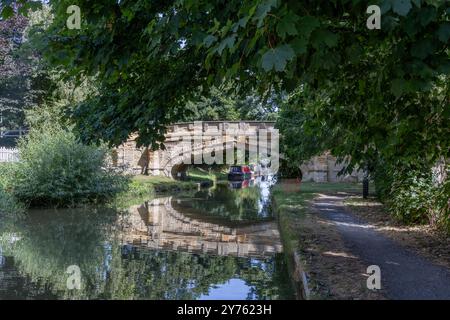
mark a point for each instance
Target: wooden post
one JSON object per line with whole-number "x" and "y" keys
{"x": 366, "y": 183}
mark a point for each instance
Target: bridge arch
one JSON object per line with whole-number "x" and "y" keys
{"x": 169, "y": 161}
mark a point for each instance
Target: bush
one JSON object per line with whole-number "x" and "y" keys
{"x": 413, "y": 197}
{"x": 6, "y": 169}
{"x": 56, "y": 169}
{"x": 8, "y": 205}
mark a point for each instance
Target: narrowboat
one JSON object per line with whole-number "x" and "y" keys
{"x": 239, "y": 173}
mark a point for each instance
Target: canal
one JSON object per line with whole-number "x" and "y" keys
{"x": 217, "y": 243}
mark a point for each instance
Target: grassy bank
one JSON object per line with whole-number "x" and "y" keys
{"x": 199, "y": 174}
{"x": 149, "y": 186}
{"x": 308, "y": 188}
{"x": 290, "y": 208}
{"x": 142, "y": 185}
{"x": 313, "y": 247}
{"x": 139, "y": 187}
{"x": 142, "y": 188}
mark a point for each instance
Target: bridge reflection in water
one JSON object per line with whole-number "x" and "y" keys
{"x": 219, "y": 243}
{"x": 160, "y": 224}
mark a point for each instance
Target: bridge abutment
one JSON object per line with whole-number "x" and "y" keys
{"x": 192, "y": 135}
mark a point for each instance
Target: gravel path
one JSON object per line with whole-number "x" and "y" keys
{"x": 404, "y": 274}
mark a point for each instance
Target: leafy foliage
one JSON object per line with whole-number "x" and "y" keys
{"x": 56, "y": 169}
{"x": 413, "y": 194}
{"x": 25, "y": 79}
{"x": 414, "y": 197}
{"x": 8, "y": 8}
{"x": 303, "y": 134}
{"x": 150, "y": 58}
{"x": 371, "y": 96}
{"x": 8, "y": 205}
{"x": 223, "y": 104}
{"x": 14, "y": 83}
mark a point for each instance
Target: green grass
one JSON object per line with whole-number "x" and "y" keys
{"x": 155, "y": 180}
{"x": 143, "y": 188}
{"x": 331, "y": 187}
{"x": 199, "y": 174}
{"x": 291, "y": 200}
{"x": 142, "y": 185}
{"x": 294, "y": 196}
{"x": 360, "y": 202}
{"x": 289, "y": 208}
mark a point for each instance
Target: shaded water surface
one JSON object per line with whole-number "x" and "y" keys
{"x": 220, "y": 243}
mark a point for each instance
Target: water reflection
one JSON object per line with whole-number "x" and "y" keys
{"x": 162, "y": 224}
{"x": 247, "y": 200}
{"x": 151, "y": 251}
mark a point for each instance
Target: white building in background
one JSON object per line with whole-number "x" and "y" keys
{"x": 9, "y": 154}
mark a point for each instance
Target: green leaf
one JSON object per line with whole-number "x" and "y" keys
{"x": 331, "y": 39}
{"x": 7, "y": 12}
{"x": 411, "y": 27}
{"x": 277, "y": 58}
{"x": 354, "y": 53}
{"x": 209, "y": 40}
{"x": 385, "y": 6}
{"x": 397, "y": 87}
{"x": 325, "y": 60}
{"x": 227, "y": 42}
{"x": 307, "y": 25}
{"x": 299, "y": 45}
{"x": 435, "y": 3}
{"x": 327, "y": 37}
{"x": 422, "y": 48}
{"x": 129, "y": 14}
{"x": 444, "y": 32}
{"x": 240, "y": 24}
{"x": 263, "y": 9}
{"x": 286, "y": 26}
{"x": 427, "y": 15}
{"x": 401, "y": 7}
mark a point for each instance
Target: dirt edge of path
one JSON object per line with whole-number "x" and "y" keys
{"x": 423, "y": 240}
{"x": 320, "y": 263}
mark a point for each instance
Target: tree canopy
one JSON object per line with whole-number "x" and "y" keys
{"x": 15, "y": 80}
{"x": 381, "y": 91}
{"x": 224, "y": 104}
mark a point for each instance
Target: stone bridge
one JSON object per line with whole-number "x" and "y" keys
{"x": 187, "y": 143}
{"x": 159, "y": 225}
{"x": 215, "y": 137}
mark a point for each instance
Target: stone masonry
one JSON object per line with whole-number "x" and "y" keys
{"x": 134, "y": 160}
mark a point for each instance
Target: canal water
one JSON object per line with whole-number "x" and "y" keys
{"x": 219, "y": 243}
